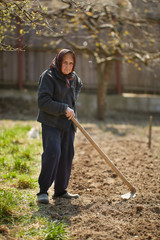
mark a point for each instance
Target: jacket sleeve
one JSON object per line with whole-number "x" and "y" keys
{"x": 45, "y": 94}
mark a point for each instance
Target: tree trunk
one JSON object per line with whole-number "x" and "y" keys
{"x": 104, "y": 72}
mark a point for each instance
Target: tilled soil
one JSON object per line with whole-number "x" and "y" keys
{"x": 100, "y": 212}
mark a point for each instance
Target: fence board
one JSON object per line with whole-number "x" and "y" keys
{"x": 36, "y": 61}
{"x": 138, "y": 81}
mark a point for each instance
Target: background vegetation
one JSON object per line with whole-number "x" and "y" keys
{"x": 121, "y": 30}
{"x": 20, "y": 216}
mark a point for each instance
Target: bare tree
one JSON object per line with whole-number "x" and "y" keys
{"x": 117, "y": 30}
{"x": 12, "y": 13}
{"x": 120, "y": 30}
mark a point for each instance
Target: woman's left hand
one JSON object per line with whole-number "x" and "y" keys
{"x": 70, "y": 113}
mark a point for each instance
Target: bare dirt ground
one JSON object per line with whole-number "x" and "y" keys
{"x": 100, "y": 213}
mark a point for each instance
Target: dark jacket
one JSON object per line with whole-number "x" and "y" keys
{"x": 54, "y": 97}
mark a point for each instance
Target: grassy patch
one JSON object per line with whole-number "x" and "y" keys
{"x": 19, "y": 162}
{"x": 24, "y": 181}
{"x": 8, "y": 204}
{"x": 56, "y": 230}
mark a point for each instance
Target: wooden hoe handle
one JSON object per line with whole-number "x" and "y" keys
{"x": 104, "y": 156}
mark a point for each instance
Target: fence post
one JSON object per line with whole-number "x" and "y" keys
{"x": 118, "y": 75}
{"x": 20, "y": 73}
{"x": 150, "y": 132}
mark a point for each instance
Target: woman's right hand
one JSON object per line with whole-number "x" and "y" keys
{"x": 70, "y": 113}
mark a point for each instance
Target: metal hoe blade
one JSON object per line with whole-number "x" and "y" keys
{"x": 128, "y": 195}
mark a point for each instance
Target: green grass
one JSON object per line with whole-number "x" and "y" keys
{"x": 7, "y": 206}
{"x": 56, "y": 230}
{"x": 20, "y": 165}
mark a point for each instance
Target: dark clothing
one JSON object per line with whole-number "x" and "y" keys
{"x": 57, "y": 131}
{"x": 56, "y": 159}
{"x": 54, "y": 97}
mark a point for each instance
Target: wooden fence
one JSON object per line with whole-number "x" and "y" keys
{"x": 34, "y": 62}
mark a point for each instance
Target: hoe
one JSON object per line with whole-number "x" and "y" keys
{"x": 109, "y": 162}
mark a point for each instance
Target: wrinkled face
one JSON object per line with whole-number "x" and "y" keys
{"x": 67, "y": 64}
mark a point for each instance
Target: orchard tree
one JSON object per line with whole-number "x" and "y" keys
{"x": 117, "y": 30}
{"x": 26, "y": 14}
{"x": 110, "y": 30}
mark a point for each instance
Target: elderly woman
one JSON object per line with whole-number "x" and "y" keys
{"x": 58, "y": 90}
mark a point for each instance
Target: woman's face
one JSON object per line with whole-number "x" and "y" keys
{"x": 67, "y": 64}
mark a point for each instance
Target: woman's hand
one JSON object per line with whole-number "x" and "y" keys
{"x": 70, "y": 113}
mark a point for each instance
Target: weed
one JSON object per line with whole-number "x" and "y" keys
{"x": 102, "y": 126}
{"x": 9, "y": 175}
{"x": 25, "y": 153}
{"x": 25, "y": 182}
{"x": 56, "y": 231}
{"x": 2, "y": 161}
{"x": 21, "y": 166}
{"x": 7, "y": 205}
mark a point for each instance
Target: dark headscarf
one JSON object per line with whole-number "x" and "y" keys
{"x": 57, "y": 63}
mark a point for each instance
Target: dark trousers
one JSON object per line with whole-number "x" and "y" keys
{"x": 57, "y": 157}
